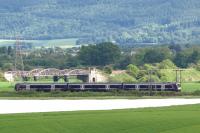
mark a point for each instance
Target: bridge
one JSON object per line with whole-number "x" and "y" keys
{"x": 86, "y": 75}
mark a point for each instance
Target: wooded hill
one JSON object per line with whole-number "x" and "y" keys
{"x": 123, "y": 21}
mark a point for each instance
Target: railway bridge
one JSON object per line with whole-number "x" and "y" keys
{"x": 86, "y": 75}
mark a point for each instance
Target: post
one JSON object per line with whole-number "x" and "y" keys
{"x": 150, "y": 84}
{"x": 176, "y": 75}
{"x": 181, "y": 77}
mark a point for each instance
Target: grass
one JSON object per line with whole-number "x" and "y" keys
{"x": 189, "y": 75}
{"x": 6, "y": 86}
{"x": 120, "y": 78}
{"x": 63, "y": 43}
{"x": 191, "y": 87}
{"x": 177, "y": 119}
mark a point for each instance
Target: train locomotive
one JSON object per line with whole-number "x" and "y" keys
{"x": 46, "y": 87}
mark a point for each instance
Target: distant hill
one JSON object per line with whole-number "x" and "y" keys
{"x": 122, "y": 21}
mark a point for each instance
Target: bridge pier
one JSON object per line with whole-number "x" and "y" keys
{"x": 84, "y": 78}
{"x": 55, "y": 78}
{"x": 25, "y": 78}
{"x": 35, "y": 78}
{"x": 66, "y": 79}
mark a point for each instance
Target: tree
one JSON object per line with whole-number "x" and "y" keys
{"x": 194, "y": 57}
{"x": 7, "y": 67}
{"x": 108, "y": 70}
{"x": 132, "y": 70}
{"x": 99, "y": 55}
{"x": 182, "y": 58}
{"x": 166, "y": 64}
{"x": 2, "y": 77}
{"x": 123, "y": 62}
{"x": 156, "y": 55}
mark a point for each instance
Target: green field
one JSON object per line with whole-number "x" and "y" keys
{"x": 179, "y": 119}
{"x": 6, "y": 86}
{"x": 62, "y": 43}
{"x": 190, "y": 87}
{"x": 189, "y": 75}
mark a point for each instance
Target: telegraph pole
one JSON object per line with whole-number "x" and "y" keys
{"x": 150, "y": 81}
{"x": 179, "y": 75}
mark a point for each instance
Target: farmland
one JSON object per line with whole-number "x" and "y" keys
{"x": 164, "y": 120}
{"x": 62, "y": 43}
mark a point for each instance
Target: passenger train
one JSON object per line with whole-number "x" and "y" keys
{"x": 46, "y": 87}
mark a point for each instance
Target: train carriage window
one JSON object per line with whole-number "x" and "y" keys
{"x": 168, "y": 86}
{"x": 40, "y": 86}
{"x": 88, "y": 86}
{"x": 23, "y": 86}
{"x": 144, "y": 86}
{"x": 129, "y": 86}
{"x": 100, "y": 86}
{"x": 74, "y": 86}
{"x": 115, "y": 86}
{"x": 158, "y": 86}
{"x": 61, "y": 86}
{"x": 94, "y": 86}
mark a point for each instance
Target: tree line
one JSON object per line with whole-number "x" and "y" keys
{"x": 102, "y": 55}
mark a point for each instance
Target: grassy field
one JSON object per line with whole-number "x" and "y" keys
{"x": 63, "y": 43}
{"x": 190, "y": 87}
{"x": 179, "y": 119}
{"x": 189, "y": 75}
{"x": 6, "y": 86}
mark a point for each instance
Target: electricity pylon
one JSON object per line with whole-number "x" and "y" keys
{"x": 19, "y": 63}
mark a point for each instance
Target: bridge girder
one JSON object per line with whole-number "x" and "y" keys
{"x": 49, "y": 72}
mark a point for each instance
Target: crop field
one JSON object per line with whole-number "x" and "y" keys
{"x": 177, "y": 119}
{"x": 63, "y": 43}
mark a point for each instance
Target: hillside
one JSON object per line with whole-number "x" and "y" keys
{"x": 123, "y": 21}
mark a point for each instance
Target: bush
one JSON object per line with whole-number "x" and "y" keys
{"x": 132, "y": 70}
{"x": 108, "y": 70}
{"x": 76, "y": 94}
{"x": 2, "y": 79}
{"x": 167, "y": 64}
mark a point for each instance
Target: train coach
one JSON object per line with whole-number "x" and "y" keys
{"x": 96, "y": 87}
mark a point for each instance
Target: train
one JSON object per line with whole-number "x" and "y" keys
{"x": 46, "y": 87}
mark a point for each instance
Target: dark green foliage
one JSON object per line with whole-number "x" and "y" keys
{"x": 187, "y": 56}
{"x": 99, "y": 55}
{"x": 108, "y": 70}
{"x": 105, "y": 54}
{"x": 156, "y": 55}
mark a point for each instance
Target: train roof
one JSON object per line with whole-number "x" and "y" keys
{"x": 34, "y": 83}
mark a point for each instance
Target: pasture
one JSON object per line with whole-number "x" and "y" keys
{"x": 177, "y": 119}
